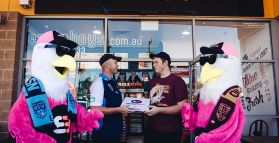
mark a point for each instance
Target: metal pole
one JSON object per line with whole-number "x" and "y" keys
{"x": 190, "y": 92}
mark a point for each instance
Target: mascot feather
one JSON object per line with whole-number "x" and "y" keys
{"x": 217, "y": 115}
{"x": 45, "y": 111}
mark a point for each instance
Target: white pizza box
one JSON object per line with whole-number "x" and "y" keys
{"x": 137, "y": 104}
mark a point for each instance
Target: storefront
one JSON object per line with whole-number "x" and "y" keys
{"x": 134, "y": 37}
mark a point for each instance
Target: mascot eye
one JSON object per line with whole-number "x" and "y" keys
{"x": 222, "y": 56}
{"x": 202, "y": 61}
{"x": 210, "y": 58}
{"x": 62, "y": 50}
{"x": 50, "y": 46}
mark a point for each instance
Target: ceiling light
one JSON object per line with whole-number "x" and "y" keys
{"x": 185, "y": 32}
{"x": 97, "y": 32}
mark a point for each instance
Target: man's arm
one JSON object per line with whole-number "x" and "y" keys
{"x": 165, "y": 110}
{"x": 97, "y": 97}
{"x": 106, "y": 110}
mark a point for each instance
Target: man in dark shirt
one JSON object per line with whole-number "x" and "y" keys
{"x": 167, "y": 93}
{"x": 105, "y": 96}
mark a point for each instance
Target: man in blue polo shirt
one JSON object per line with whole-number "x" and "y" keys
{"x": 106, "y": 97}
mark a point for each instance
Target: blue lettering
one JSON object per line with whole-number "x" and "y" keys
{"x": 32, "y": 80}
{"x": 32, "y": 86}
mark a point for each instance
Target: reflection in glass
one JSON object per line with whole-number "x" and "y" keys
{"x": 89, "y": 34}
{"x": 86, "y": 73}
{"x": 258, "y": 89}
{"x": 138, "y": 37}
{"x": 252, "y": 39}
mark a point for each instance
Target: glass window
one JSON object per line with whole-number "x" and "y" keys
{"x": 89, "y": 34}
{"x": 131, "y": 77}
{"x": 136, "y": 77}
{"x": 259, "y": 100}
{"x": 137, "y": 37}
{"x": 258, "y": 89}
{"x": 252, "y": 40}
{"x": 26, "y": 71}
{"x": 86, "y": 73}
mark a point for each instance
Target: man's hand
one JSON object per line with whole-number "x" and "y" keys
{"x": 153, "y": 111}
{"x": 124, "y": 110}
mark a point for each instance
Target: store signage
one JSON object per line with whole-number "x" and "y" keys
{"x": 92, "y": 40}
{"x": 130, "y": 79}
{"x": 159, "y": 7}
{"x": 89, "y": 40}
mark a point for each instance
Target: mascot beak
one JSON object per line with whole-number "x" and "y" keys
{"x": 63, "y": 64}
{"x": 210, "y": 73}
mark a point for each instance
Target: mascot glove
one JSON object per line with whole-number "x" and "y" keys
{"x": 96, "y": 116}
{"x": 188, "y": 116}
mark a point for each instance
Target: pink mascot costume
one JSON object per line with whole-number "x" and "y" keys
{"x": 45, "y": 111}
{"x": 217, "y": 115}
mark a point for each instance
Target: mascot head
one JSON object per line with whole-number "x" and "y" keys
{"x": 52, "y": 59}
{"x": 221, "y": 69}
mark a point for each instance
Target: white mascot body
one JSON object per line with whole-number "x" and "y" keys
{"x": 45, "y": 111}
{"x": 217, "y": 115}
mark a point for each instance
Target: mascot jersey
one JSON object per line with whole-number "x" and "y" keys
{"x": 45, "y": 111}
{"x": 217, "y": 114}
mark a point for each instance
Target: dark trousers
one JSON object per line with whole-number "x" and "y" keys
{"x": 153, "y": 136}
{"x": 98, "y": 137}
{"x": 107, "y": 140}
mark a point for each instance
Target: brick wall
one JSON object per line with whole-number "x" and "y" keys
{"x": 10, "y": 32}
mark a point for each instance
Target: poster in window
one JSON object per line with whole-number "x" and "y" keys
{"x": 144, "y": 64}
{"x": 257, "y": 78}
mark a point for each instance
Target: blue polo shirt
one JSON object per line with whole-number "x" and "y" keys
{"x": 104, "y": 92}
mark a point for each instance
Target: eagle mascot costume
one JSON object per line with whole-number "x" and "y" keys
{"x": 45, "y": 111}
{"x": 217, "y": 115}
